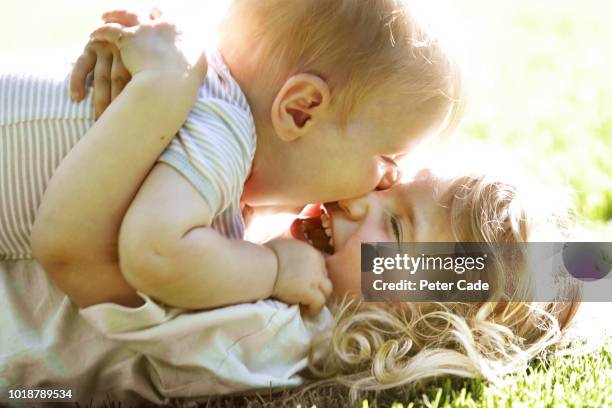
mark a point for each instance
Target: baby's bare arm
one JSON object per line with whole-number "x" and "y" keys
{"x": 168, "y": 251}
{"x": 75, "y": 232}
{"x": 77, "y": 224}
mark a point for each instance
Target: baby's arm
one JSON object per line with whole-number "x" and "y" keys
{"x": 103, "y": 61}
{"x": 76, "y": 228}
{"x": 168, "y": 251}
{"x": 219, "y": 271}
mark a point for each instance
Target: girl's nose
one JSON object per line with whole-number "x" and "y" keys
{"x": 355, "y": 208}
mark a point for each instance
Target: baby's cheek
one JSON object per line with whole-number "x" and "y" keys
{"x": 374, "y": 176}
{"x": 360, "y": 180}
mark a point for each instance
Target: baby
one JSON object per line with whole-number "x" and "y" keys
{"x": 307, "y": 101}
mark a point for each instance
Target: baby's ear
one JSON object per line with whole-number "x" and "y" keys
{"x": 298, "y": 105}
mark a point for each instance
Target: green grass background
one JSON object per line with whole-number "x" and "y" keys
{"x": 541, "y": 87}
{"x": 539, "y": 76}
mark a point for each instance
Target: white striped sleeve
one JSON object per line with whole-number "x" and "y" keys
{"x": 38, "y": 127}
{"x": 214, "y": 150}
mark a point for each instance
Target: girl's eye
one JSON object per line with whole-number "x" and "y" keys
{"x": 397, "y": 228}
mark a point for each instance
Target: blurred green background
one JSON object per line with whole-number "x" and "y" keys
{"x": 541, "y": 86}
{"x": 539, "y": 78}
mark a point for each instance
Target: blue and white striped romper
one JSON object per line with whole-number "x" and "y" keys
{"x": 39, "y": 124}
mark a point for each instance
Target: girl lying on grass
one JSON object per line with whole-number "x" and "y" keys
{"x": 380, "y": 346}
{"x": 377, "y": 346}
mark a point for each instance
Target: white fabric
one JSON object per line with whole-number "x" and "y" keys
{"x": 148, "y": 352}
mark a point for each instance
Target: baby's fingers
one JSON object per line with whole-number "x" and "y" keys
{"x": 314, "y": 304}
{"x": 130, "y": 18}
{"x": 102, "y": 87}
{"x": 112, "y": 33}
{"x": 326, "y": 287}
{"x": 119, "y": 76}
{"x": 123, "y": 17}
{"x": 83, "y": 66}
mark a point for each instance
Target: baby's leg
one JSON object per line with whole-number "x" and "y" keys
{"x": 39, "y": 124}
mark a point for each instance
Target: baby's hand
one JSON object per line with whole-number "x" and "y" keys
{"x": 103, "y": 60}
{"x": 152, "y": 46}
{"x": 109, "y": 74}
{"x": 302, "y": 275}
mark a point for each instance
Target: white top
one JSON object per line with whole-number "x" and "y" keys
{"x": 149, "y": 351}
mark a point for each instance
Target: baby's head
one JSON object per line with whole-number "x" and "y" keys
{"x": 384, "y": 345}
{"x": 339, "y": 90}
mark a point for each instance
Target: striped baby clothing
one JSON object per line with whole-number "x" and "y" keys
{"x": 39, "y": 124}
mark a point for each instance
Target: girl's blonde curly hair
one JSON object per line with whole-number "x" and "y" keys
{"x": 377, "y": 346}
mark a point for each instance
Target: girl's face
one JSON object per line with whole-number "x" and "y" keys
{"x": 405, "y": 213}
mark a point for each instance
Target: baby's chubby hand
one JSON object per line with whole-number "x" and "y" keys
{"x": 151, "y": 46}
{"x": 103, "y": 61}
{"x": 302, "y": 275}
{"x": 109, "y": 75}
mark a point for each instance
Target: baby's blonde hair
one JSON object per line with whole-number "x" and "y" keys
{"x": 376, "y": 346}
{"x": 359, "y": 47}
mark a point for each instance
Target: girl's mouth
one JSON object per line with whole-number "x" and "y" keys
{"x": 314, "y": 226}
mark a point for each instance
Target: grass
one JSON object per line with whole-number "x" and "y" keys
{"x": 561, "y": 381}
{"x": 583, "y": 380}
{"x": 540, "y": 86}
{"x": 578, "y": 381}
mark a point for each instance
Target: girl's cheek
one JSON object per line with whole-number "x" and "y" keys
{"x": 372, "y": 231}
